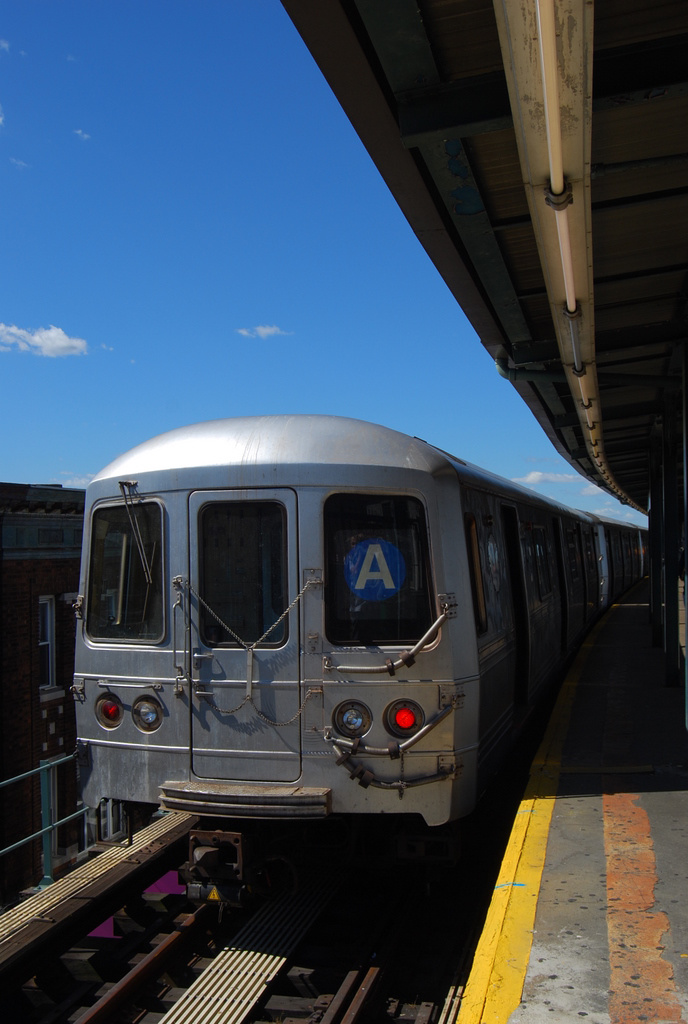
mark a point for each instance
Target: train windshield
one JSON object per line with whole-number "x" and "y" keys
{"x": 243, "y": 573}
{"x": 125, "y": 573}
{"x": 378, "y": 570}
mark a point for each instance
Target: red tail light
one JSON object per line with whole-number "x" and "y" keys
{"x": 404, "y": 717}
{"x": 109, "y": 711}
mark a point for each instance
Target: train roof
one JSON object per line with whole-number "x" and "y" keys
{"x": 304, "y": 439}
{"x": 610, "y": 521}
{"x": 298, "y": 439}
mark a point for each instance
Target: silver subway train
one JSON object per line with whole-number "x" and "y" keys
{"x": 312, "y": 616}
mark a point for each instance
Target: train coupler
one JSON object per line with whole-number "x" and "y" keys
{"x": 219, "y": 894}
{"x": 224, "y": 868}
{"x": 214, "y": 872}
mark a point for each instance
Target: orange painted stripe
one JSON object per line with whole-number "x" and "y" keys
{"x": 641, "y": 985}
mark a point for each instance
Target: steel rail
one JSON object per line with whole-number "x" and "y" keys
{"x": 360, "y": 998}
{"x": 151, "y": 967}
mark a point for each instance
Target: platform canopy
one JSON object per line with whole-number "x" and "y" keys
{"x": 539, "y": 150}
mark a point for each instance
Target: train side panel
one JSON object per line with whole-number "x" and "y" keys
{"x": 493, "y": 619}
{"x": 518, "y": 612}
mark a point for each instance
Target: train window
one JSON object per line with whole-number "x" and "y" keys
{"x": 243, "y": 565}
{"x": 125, "y": 573}
{"x": 378, "y": 574}
{"x": 475, "y": 569}
{"x": 542, "y": 561}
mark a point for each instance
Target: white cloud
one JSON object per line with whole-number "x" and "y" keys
{"x": 77, "y": 481}
{"x": 82, "y": 135}
{"x": 260, "y": 332}
{"x": 18, "y": 163}
{"x": 46, "y": 341}
{"x": 4, "y": 45}
{"x": 2, "y": 117}
{"x": 536, "y": 477}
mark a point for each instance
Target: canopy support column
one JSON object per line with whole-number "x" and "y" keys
{"x": 672, "y": 648}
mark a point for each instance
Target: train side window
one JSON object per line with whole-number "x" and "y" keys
{"x": 125, "y": 574}
{"x": 243, "y": 569}
{"x": 378, "y": 569}
{"x": 475, "y": 570}
{"x": 544, "y": 575}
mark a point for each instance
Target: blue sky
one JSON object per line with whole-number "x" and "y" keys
{"x": 193, "y": 230}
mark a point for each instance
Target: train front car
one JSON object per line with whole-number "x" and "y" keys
{"x": 269, "y": 625}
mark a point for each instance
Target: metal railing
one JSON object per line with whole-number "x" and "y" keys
{"x": 48, "y": 826}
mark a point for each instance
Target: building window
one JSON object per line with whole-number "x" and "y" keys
{"x": 109, "y": 820}
{"x": 46, "y": 641}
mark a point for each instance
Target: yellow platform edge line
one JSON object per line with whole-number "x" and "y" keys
{"x": 495, "y": 984}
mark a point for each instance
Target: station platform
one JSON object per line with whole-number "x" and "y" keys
{"x": 589, "y": 917}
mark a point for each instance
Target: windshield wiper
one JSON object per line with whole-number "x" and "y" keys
{"x": 126, "y": 487}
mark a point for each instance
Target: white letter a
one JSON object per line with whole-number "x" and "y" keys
{"x": 367, "y": 572}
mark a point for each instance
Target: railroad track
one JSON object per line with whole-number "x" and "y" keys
{"x": 171, "y": 962}
{"x": 300, "y": 957}
{"x": 367, "y": 942}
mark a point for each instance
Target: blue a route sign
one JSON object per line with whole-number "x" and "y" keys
{"x": 374, "y": 569}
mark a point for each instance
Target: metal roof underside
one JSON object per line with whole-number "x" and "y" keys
{"x": 539, "y": 150}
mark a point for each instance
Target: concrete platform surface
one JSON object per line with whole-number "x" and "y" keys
{"x": 589, "y": 919}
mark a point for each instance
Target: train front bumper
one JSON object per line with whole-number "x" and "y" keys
{"x": 246, "y": 800}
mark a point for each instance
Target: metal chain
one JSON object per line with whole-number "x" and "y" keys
{"x": 250, "y": 647}
{"x": 217, "y": 618}
{"x": 268, "y": 721}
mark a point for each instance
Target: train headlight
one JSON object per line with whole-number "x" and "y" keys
{"x": 403, "y": 717}
{"x": 352, "y": 718}
{"x": 109, "y": 711}
{"x": 147, "y": 714}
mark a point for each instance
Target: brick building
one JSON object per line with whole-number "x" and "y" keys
{"x": 40, "y": 549}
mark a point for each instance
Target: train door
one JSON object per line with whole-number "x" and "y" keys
{"x": 574, "y": 582}
{"x": 592, "y": 586}
{"x": 602, "y": 555}
{"x": 244, "y": 635}
{"x": 512, "y": 537}
{"x": 558, "y": 530}
{"x": 627, "y": 555}
{"x": 615, "y": 565}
